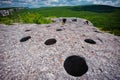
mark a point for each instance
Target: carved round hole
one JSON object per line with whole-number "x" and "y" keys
{"x": 50, "y": 41}
{"x": 27, "y": 30}
{"x": 58, "y": 29}
{"x": 90, "y": 41}
{"x": 64, "y": 20}
{"x": 74, "y": 20}
{"x": 97, "y": 31}
{"x": 25, "y": 39}
{"x": 86, "y": 22}
{"x": 75, "y": 66}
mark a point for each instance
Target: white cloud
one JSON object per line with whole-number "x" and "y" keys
{"x": 5, "y": 2}
{"x": 55, "y": 0}
{"x": 107, "y": 2}
{"x": 39, "y": 3}
{"x": 89, "y": 0}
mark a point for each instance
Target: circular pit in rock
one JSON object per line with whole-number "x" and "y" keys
{"x": 27, "y": 30}
{"x": 74, "y": 20}
{"x": 90, "y": 41}
{"x": 58, "y": 29}
{"x": 75, "y": 66}
{"x": 25, "y": 39}
{"x": 50, "y": 41}
{"x": 64, "y": 20}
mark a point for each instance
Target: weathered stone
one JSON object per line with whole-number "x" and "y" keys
{"x": 8, "y": 12}
{"x": 33, "y": 60}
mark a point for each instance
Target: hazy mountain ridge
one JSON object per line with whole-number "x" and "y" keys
{"x": 95, "y": 8}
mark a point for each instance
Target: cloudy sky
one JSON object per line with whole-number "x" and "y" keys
{"x": 43, "y": 3}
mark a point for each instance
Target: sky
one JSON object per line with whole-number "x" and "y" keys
{"x": 44, "y": 3}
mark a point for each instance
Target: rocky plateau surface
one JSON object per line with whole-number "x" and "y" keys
{"x": 67, "y": 49}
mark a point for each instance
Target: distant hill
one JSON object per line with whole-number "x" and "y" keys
{"x": 13, "y": 8}
{"x": 95, "y": 8}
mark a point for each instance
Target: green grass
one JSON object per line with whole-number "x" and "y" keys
{"x": 31, "y": 18}
{"x": 25, "y": 17}
{"x": 106, "y": 18}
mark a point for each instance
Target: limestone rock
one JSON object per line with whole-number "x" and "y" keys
{"x": 34, "y": 60}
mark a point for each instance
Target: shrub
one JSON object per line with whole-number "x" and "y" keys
{"x": 5, "y": 20}
{"x": 34, "y": 18}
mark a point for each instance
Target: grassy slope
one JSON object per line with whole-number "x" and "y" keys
{"x": 104, "y": 17}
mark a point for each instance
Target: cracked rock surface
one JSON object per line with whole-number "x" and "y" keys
{"x": 32, "y": 59}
